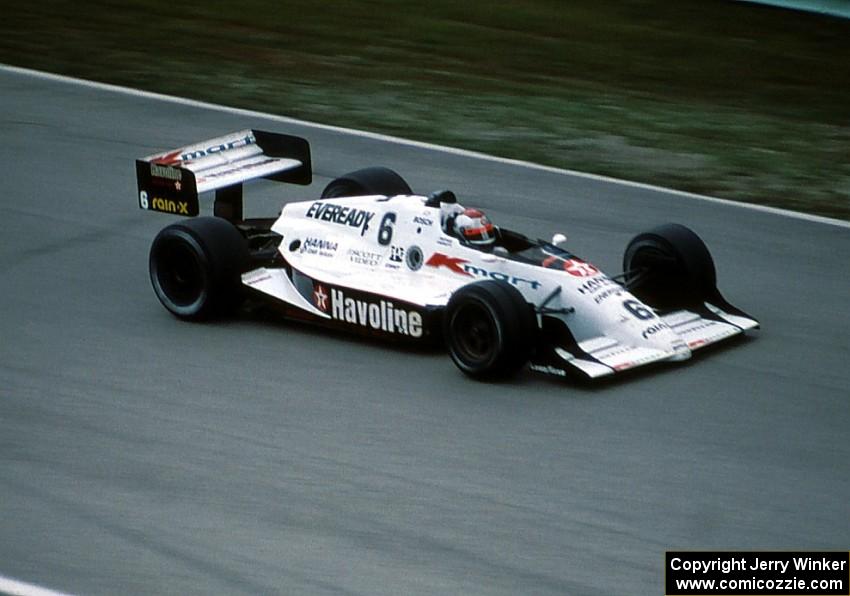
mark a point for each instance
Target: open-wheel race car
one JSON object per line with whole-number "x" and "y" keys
{"x": 372, "y": 257}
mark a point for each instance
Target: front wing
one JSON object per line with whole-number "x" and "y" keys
{"x": 604, "y": 356}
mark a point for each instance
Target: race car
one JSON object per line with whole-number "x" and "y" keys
{"x": 372, "y": 257}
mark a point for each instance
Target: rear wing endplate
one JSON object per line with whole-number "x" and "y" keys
{"x": 172, "y": 182}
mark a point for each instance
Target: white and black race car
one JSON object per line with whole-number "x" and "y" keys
{"x": 372, "y": 257}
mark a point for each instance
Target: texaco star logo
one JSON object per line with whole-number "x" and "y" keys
{"x": 320, "y": 297}
{"x": 575, "y": 267}
{"x": 579, "y": 268}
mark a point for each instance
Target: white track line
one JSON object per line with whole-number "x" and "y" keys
{"x": 14, "y": 587}
{"x": 401, "y": 141}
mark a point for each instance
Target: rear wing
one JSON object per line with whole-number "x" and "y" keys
{"x": 172, "y": 182}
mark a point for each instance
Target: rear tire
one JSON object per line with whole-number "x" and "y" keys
{"x": 677, "y": 268}
{"x": 195, "y": 267}
{"x": 368, "y": 181}
{"x": 490, "y": 330}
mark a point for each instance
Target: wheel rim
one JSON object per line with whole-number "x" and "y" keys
{"x": 475, "y": 333}
{"x": 179, "y": 273}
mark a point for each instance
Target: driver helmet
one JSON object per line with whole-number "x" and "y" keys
{"x": 473, "y": 227}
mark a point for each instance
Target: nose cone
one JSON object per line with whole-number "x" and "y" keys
{"x": 681, "y": 351}
{"x": 661, "y": 337}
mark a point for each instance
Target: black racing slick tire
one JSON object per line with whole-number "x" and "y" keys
{"x": 489, "y": 329}
{"x": 196, "y": 266}
{"x": 368, "y": 181}
{"x": 669, "y": 266}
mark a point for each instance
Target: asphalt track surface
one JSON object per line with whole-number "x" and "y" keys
{"x": 144, "y": 455}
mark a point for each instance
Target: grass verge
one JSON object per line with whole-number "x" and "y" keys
{"x": 717, "y": 97}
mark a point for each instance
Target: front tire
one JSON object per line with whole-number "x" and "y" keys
{"x": 670, "y": 266}
{"x": 490, "y": 330}
{"x": 195, "y": 267}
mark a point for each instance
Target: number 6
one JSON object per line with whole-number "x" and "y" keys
{"x": 638, "y": 310}
{"x": 385, "y": 231}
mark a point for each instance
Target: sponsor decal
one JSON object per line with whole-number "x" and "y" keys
{"x": 548, "y": 369}
{"x": 169, "y": 159}
{"x": 444, "y": 241}
{"x": 573, "y": 266}
{"x": 607, "y": 294}
{"x": 175, "y": 157}
{"x": 414, "y": 258}
{"x": 230, "y": 172}
{"x": 705, "y": 324}
{"x": 719, "y": 333}
{"x": 161, "y": 171}
{"x": 454, "y": 264}
{"x": 611, "y": 352}
{"x": 653, "y": 329}
{"x": 169, "y": 206}
{"x": 634, "y": 363}
{"x": 629, "y": 363}
{"x": 165, "y": 183}
{"x": 592, "y": 286}
{"x": 423, "y": 221}
{"x": 339, "y": 214}
{"x": 379, "y": 316}
{"x": 396, "y": 254}
{"x": 463, "y": 267}
{"x": 320, "y": 297}
{"x": 511, "y": 279}
{"x": 364, "y": 257}
{"x": 318, "y": 246}
{"x": 255, "y": 277}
